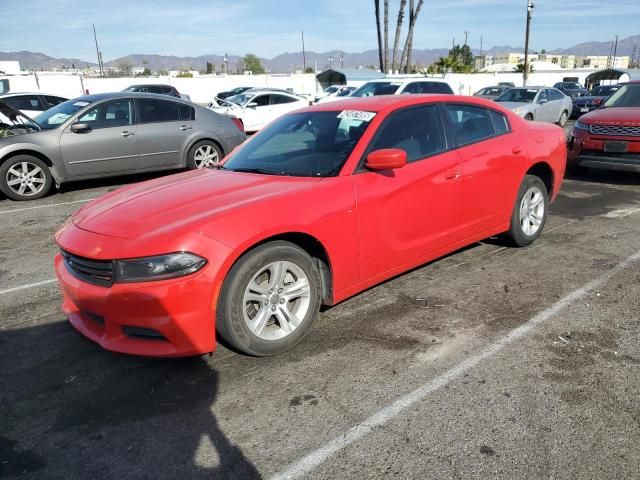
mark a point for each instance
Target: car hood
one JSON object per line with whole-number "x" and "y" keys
{"x": 626, "y": 116}
{"x": 181, "y": 201}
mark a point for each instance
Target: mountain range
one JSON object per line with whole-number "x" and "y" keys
{"x": 289, "y": 61}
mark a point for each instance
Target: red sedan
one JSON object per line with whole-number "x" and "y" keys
{"x": 320, "y": 205}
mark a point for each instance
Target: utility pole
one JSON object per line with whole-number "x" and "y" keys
{"x": 481, "y": 52}
{"x": 525, "y": 74}
{"x": 615, "y": 52}
{"x": 98, "y": 52}
{"x": 304, "y": 57}
{"x": 466, "y": 37}
{"x": 632, "y": 62}
{"x": 225, "y": 60}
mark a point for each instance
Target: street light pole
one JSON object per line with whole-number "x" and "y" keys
{"x": 525, "y": 74}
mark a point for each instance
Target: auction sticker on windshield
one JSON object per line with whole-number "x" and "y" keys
{"x": 357, "y": 115}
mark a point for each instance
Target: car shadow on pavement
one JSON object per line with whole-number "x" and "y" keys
{"x": 610, "y": 177}
{"x": 63, "y": 397}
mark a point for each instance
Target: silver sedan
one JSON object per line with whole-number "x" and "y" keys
{"x": 106, "y": 135}
{"x": 538, "y": 103}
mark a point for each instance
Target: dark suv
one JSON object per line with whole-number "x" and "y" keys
{"x": 572, "y": 89}
{"x": 157, "y": 88}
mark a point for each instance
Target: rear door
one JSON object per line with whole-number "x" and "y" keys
{"x": 164, "y": 128}
{"x": 407, "y": 213}
{"x": 111, "y": 146}
{"x": 491, "y": 157}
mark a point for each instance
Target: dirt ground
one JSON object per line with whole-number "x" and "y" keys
{"x": 490, "y": 363}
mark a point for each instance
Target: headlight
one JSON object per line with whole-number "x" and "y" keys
{"x": 581, "y": 126}
{"x": 159, "y": 267}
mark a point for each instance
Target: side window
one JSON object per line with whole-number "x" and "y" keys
{"x": 444, "y": 88}
{"x": 412, "y": 88}
{"x": 52, "y": 101}
{"x": 544, "y": 95}
{"x": 187, "y": 112}
{"x": 153, "y": 111}
{"x": 417, "y": 131}
{"x": 500, "y": 122}
{"x": 555, "y": 95}
{"x": 4, "y": 85}
{"x": 116, "y": 113}
{"x": 261, "y": 100}
{"x": 26, "y": 102}
{"x": 469, "y": 124}
{"x": 278, "y": 99}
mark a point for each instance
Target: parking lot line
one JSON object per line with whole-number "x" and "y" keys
{"x": 30, "y": 285}
{"x": 312, "y": 460}
{"x": 45, "y": 206}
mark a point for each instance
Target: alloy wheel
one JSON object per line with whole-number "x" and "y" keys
{"x": 206, "y": 156}
{"x": 25, "y": 179}
{"x": 276, "y": 300}
{"x": 532, "y": 211}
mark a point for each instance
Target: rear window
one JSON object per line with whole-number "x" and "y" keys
{"x": 377, "y": 88}
{"x": 4, "y": 85}
{"x": 469, "y": 124}
{"x": 187, "y": 112}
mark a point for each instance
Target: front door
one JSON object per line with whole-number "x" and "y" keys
{"x": 405, "y": 214}
{"x": 110, "y": 146}
{"x": 257, "y": 116}
{"x": 164, "y": 128}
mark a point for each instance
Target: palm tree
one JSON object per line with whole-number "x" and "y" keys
{"x": 394, "y": 61}
{"x": 413, "y": 17}
{"x": 520, "y": 68}
{"x": 386, "y": 35}
{"x": 377, "y": 9}
{"x": 448, "y": 64}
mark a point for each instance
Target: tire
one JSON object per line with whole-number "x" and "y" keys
{"x": 524, "y": 229}
{"x": 252, "y": 310}
{"x": 204, "y": 154}
{"x": 24, "y": 177}
{"x": 564, "y": 117}
{"x": 528, "y": 117}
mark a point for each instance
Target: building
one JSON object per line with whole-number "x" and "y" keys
{"x": 601, "y": 62}
{"x": 562, "y": 61}
{"x": 482, "y": 61}
{"x": 9, "y": 67}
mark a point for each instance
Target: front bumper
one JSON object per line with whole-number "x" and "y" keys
{"x": 171, "y": 318}
{"x": 588, "y": 150}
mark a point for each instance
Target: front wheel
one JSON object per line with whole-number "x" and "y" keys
{"x": 528, "y": 117}
{"x": 204, "y": 154}
{"x": 529, "y": 212}
{"x": 269, "y": 299}
{"x": 564, "y": 117}
{"x": 24, "y": 177}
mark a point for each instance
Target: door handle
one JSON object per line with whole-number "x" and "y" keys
{"x": 185, "y": 127}
{"x": 127, "y": 133}
{"x": 517, "y": 150}
{"x": 451, "y": 175}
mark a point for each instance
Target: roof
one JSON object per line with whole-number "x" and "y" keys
{"x": 613, "y": 74}
{"x": 13, "y": 94}
{"x": 341, "y": 76}
{"x": 105, "y": 96}
{"x": 384, "y": 103}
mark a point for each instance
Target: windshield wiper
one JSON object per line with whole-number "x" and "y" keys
{"x": 254, "y": 170}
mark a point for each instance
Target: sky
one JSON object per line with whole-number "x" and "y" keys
{"x": 62, "y": 28}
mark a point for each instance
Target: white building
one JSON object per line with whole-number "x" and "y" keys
{"x": 10, "y": 67}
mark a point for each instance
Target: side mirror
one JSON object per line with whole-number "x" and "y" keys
{"x": 542, "y": 101}
{"x": 386, "y": 159}
{"x": 80, "y": 127}
{"x": 597, "y": 102}
{"x": 252, "y": 105}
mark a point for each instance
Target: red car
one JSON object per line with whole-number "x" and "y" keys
{"x": 322, "y": 204}
{"x": 609, "y": 137}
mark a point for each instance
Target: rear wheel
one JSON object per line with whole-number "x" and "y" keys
{"x": 529, "y": 212}
{"x": 204, "y": 154}
{"x": 269, "y": 299}
{"x": 24, "y": 177}
{"x": 529, "y": 117}
{"x": 564, "y": 117}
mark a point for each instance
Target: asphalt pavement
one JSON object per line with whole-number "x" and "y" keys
{"x": 490, "y": 363}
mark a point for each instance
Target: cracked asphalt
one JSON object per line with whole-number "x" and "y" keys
{"x": 561, "y": 401}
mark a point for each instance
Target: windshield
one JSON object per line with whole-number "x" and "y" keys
{"x": 568, "y": 85}
{"x": 345, "y": 91}
{"x": 240, "y": 99}
{"x": 491, "y": 91}
{"x": 603, "y": 91}
{"x": 377, "y": 88}
{"x": 520, "y": 95}
{"x": 627, "y": 96}
{"x": 56, "y": 116}
{"x": 303, "y": 144}
{"x": 331, "y": 89}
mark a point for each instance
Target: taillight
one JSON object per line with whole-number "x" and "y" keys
{"x": 597, "y": 101}
{"x": 238, "y": 123}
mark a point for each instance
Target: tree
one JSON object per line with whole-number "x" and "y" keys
{"x": 394, "y": 61}
{"x": 163, "y": 73}
{"x": 252, "y": 64}
{"x": 211, "y": 68}
{"x": 184, "y": 74}
{"x": 309, "y": 70}
{"x": 520, "y": 68}
{"x": 408, "y": 43}
{"x": 386, "y": 36}
{"x": 448, "y": 64}
{"x": 124, "y": 68}
{"x": 379, "y": 32}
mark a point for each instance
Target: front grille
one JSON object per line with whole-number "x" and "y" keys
{"x": 97, "y": 272}
{"x": 616, "y": 130}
